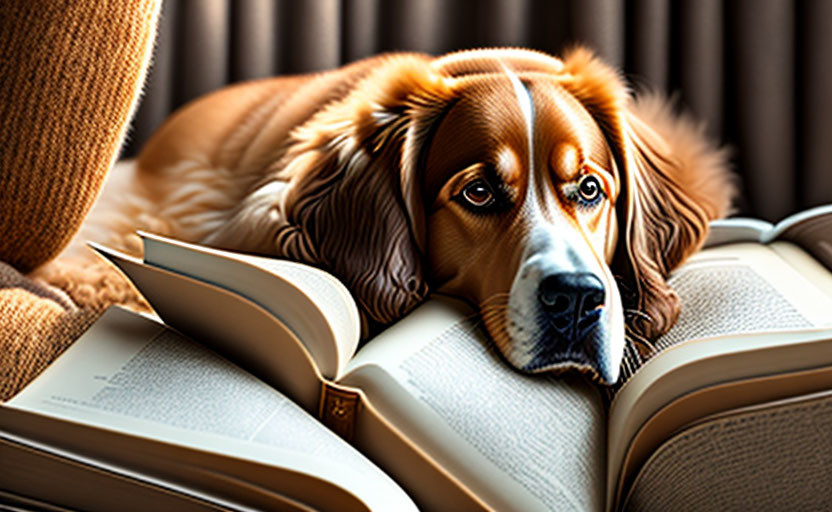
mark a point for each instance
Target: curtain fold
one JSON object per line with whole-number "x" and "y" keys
{"x": 761, "y": 98}
{"x": 202, "y": 43}
{"x": 253, "y": 43}
{"x": 758, "y": 72}
{"x": 157, "y": 101}
{"x": 360, "y": 33}
{"x": 814, "y": 125}
{"x": 697, "y": 69}
{"x": 648, "y": 42}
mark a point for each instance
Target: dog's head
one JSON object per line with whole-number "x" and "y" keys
{"x": 535, "y": 188}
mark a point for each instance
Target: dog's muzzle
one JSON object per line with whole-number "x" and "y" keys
{"x": 561, "y": 316}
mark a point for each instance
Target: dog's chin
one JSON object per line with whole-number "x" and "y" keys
{"x": 592, "y": 355}
{"x": 543, "y": 349}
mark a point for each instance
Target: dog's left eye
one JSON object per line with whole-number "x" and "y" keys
{"x": 587, "y": 192}
{"x": 478, "y": 194}
{"x": 589, "y": 188}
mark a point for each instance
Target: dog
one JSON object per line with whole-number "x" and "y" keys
{"x": 536, "y": 188}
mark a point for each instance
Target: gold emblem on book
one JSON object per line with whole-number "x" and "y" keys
{"x": 338, "y": 410}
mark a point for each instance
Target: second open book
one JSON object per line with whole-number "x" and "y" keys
{"x": 432, "y": 405}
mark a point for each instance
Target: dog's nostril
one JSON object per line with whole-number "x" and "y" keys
{"x": 552, "y": 299}
{"x": 593, "y": 300}
{"x": 553, "y": 296}
{"x": 561, "y": 304}
{"x": 548, "y": 295}
{"x": 572, "y": 299}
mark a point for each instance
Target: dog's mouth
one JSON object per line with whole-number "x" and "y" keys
{"x": 586, "y": 351}
{"x": 561, "y": 320}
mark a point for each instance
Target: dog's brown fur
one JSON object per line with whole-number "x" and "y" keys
{"x": 354, "y": 171}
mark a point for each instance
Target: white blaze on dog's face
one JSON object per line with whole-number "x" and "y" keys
{"x": 523, "y": 222}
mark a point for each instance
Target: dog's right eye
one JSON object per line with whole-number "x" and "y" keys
{"x": 478, "y": 194}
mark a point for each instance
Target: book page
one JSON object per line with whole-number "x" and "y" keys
{"x": 133, "y": 375}
{"x": 738, "y": 301}
{"x": 809, "y": 267}
{"x": 688, "y": 367}
{"x": 811, "y": 230}
{"x": 519, "y": 442}
{"x": 696, "y": 405}
{"x": 743, "y": 288}
{"x": 229, "y": 324}
{"x": 737, "y": 230}
{"x": 316, "y": 306}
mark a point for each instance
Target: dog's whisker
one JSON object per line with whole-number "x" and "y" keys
{"x": 638, "y": 313}
{"x": 493, "y": 311}
{"x": 500, "y": 297}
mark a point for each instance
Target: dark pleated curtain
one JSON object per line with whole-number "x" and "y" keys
{"x": 758, "y": 72}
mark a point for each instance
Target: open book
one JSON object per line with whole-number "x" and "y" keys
{"x": 426, "y": 411}
{"x": 810, "y": 229}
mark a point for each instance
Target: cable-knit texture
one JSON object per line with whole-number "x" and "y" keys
{"x": 70, "y": 74}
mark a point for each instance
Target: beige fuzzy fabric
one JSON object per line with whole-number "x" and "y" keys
{"x": 39, "y": 322}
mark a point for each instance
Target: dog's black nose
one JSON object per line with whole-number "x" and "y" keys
{"x": 572, "y": 301}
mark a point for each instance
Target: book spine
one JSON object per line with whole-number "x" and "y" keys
{"x": 338, "y": 409}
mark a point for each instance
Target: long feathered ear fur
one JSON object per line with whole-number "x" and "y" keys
{"x": 349, "y": 197}
{"x": 673, "y": 183}
{"x": 678, "y": 183}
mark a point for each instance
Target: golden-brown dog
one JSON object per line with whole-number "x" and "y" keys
{"x": 533, "y": 187}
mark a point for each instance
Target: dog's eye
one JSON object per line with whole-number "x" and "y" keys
{"x": 478, "y": 194}
{"x": 589, "y": 188}
{"x": 587, "y": 192}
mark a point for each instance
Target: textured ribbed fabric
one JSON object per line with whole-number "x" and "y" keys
{"x": 70, "y": 73}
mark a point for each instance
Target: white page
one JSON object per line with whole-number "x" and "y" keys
{"x": 313, "y": 304}
{"x": 735, "y": 298}
{"x": 742, "y": 288}
{"x": 519, "y": 442}
{"x": 736, "y": 230}
{"x": 133, "y": 375}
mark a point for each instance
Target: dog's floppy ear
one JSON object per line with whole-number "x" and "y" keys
{"x": 672, "y": 184}
{"x": 676, "y": 184}
{"x": 353, "y": 204}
